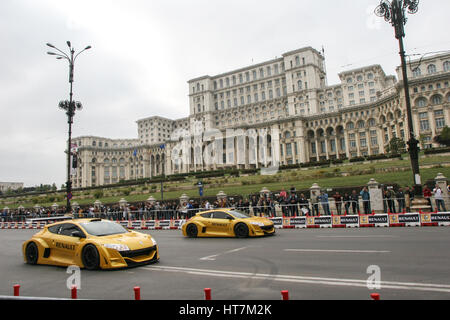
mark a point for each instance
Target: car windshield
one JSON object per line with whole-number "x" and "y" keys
{"x": 103, "y": 228}
{"x": 238, "y": 214}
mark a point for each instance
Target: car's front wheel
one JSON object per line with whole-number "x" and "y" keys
{"x": 90, "y": 257}
{"x": 31, "y": 253}
{"x": 191, "y": 230}
{"x": 241, "y": 230}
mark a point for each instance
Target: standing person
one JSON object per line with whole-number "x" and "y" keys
{"x": 338, "y": 202}
{"x": 271, "y": 206}
{"x": 427, "y": 195}
{"x": 408, "y": 198}
{"x": 347, "y": 202}
{"x": 283, "y": 194}
{"x": 400, "y": 195}
{"x": 283, "y": 201}
{"x": 354, "y": 199}
{"x": 389, "y": 201}
{"x": 315, "y": 204}
{"x": 438, "y": 197}
{"x": 304, "y": 205}
{"x": 254, "y": 203}
{"x": 365, "y": 196}
{"x": 293, "y": 204}
{"x": 325, "y": 204}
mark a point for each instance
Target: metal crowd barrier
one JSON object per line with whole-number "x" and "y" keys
{"x": 276, "y": 209}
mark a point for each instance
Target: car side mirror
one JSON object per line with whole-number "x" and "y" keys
{"x": 78, "y": 234}
{"x": 230, "y": 218}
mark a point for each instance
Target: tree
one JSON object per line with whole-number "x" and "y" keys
{"x": 396, "y": 146}
{"x": 444, "y": 137}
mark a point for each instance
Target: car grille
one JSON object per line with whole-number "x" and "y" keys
{"x": 267, "y": 228}
{"x": 137, "y": 253}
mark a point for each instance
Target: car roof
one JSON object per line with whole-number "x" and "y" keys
{"x": 215, "y": 210}
{"x": 75, "y": 221}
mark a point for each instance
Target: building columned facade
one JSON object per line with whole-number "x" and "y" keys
{"x": 281, "y": 109}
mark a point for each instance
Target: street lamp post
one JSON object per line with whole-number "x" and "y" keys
{"x": 394, "y": 12}
{"x": 69, "y": 106}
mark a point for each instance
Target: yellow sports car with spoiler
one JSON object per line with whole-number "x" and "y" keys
{"x": 91, "y": 244}
{"x": 226, "y": 223}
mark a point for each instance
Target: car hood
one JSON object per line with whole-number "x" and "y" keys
{"x": 266, "y": 221}
{"x": 133, "y": 240}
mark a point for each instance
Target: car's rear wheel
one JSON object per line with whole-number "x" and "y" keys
{"x": 90, "y": 257}
{"x": 191, "y": 230}
{"x": 241, "y": 230}
{"x": 32, "y": 253}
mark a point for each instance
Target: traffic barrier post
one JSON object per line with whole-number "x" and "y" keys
{"x": 375, "y": 296}
{"x": 74, "y": 292}
{"x": 285, "y": 294}
{"x": 16, "y": 290}
{"x": 207, "y": 293}
{"x": 137, "y": 293}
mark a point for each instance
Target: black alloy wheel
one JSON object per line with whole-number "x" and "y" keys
{"x": 191, "y": 230}
{"x": 90, "y": 257}
{"x": 32, "y": 253}
{"x": 241, "y": 230}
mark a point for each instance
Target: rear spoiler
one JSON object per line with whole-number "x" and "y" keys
{"x": 49, "y": 219}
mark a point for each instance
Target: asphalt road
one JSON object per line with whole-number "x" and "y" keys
{"x": 414, "y": 263}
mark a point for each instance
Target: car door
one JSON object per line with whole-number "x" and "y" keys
{"x": 49, "y": 237}
{"x": 65, "y": 244}
{"x": 206, "y": 221}
{"x": 221, "y": 223}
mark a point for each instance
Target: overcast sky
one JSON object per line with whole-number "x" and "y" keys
{"x": 144, "y": 52}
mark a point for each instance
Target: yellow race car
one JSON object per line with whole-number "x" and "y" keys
{"x": 226, "y": 223}
{"x": 91, "y": 244}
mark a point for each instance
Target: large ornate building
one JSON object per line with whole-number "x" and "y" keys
{"x": 280, "y": 109}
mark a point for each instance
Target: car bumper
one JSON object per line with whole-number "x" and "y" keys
{"x": 262, "y": 231}
{"x": 118, "y": 260}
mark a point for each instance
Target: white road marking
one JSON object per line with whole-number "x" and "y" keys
{"x": 372, "y": 236}
{"x": 337, "y": 251}
{"x": 303, "y": 279}
{"x": 214, "y": 256}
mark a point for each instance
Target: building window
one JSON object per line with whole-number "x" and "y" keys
{"x": 374, "y": 141}
{"x": 416, "y": 72}
{"x": 288, "y": 149}
{"x": 322, "y": 147}
{"x": 436, "y": 99}
{"x": 421, "y": 102}
{"x": 313, "y": 147}
{"x": 333, "y": 145}
{"x": 440, "y": 123}
{"x": 343, "y": 143}
{"x": 447, "y": 66}
{"x": 424, "y": 125}
{"x": 431, "y": 69}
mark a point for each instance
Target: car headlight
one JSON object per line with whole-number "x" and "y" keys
{"x": 260, "y": 224}
{"x": 115, "y": 246}
{"x": 154, "y": 241}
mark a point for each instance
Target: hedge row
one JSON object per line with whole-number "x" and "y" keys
{"x": 437, "y": 150}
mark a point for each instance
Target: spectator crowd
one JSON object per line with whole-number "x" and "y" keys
{"x": 290, "y": 203}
